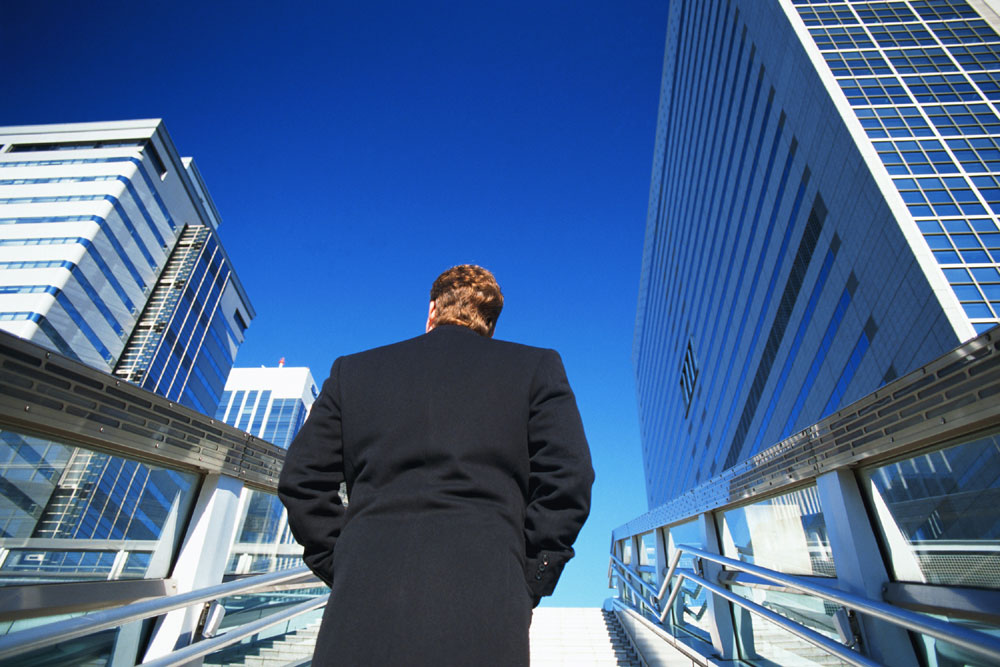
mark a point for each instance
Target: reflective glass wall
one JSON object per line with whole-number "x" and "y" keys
{"x": 72, "y": 514}
{"x": 935, "y": 516}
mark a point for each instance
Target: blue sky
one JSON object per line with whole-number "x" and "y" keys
{"x": 356, "y": 150}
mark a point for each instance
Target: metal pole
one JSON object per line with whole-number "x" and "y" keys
{"x": 977, "y": 642}
{"x": 45, "y": 635}
{"x": 207, "y": 646}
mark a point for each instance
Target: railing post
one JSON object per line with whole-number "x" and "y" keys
{"x": 662, "y": 563}
{"x": 636, "y": 559}
{"x": 859, "y": 564}
{"x": 202, "y": 559}
{"x": 126, "y": 647}
{"x": 720, "y": 614}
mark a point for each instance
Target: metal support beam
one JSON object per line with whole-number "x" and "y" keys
{"x": 720, "y": 619}
{"x": 974, "y": 604}
{"x": 18, "y": 602}
{"x": 859, "y": 563}
{"x": 202, "y": 560}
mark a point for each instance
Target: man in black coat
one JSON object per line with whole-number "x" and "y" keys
{"x": 468, "y": 475}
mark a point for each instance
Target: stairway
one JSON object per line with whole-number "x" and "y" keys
{"x": 292, "y": 648}
{"x": 560, "y": 637}
{"x": 578, "y": 637}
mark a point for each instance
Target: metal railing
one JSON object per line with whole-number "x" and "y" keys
{"x": 22, "y": 642}
{"x": 977, "y": 643}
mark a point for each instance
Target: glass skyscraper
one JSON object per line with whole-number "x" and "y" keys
{"x": 823, "y": 217}
{"x": 109, "y": 254}
{"x": 272, "y": 404}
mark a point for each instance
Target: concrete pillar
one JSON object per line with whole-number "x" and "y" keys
{"x": 860, "y": 569}
{"x": 719, "y": 613}
{"x": 201, "y": 561}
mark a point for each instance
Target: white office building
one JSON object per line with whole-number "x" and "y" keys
{"x": 97, "y": 226}
{"x": 270, "y": 403}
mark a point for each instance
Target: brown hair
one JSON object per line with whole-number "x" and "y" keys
{"x": 468, "y": 295}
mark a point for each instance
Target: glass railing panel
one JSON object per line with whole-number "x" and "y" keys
{"x": 296, "y": 633}
{"x": 690, "y": 610}
{"x": 625, "y": 549}
{"x": 94, "y": 650}
{"x": 939, "y": 514}
{"x": 263, "y": 541}
{"x": 72, "y": 514}
{"x": 939, "y": 653}
{"x": 647, "y": 557}
{"x": 762, "y": 642}
{"x": 786, "y": 533}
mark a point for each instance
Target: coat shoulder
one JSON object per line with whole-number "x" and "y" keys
{"x": 452, "y": 338}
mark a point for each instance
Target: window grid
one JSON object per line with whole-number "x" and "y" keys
{"x": 834, "y": 14}
{"x": 988, "y": 83}
{"x": 886, "y": 122}
{"x": 915, "y": 157}
{"x": 856, "y": 63}
{"x": 962, "y": 32}
{"x": 963, "y": 119}
{"x": 977, "y": 154}
{"x": 912, "y": 61}
{"x": 933, "y": 10}
{"x": 976, "y": 56}
{"x": 874, "y": 91}
{"x": 837, "y": 38}
{"x": 942, "y": 88}
{"x": 939, "y": 197}
{"x": 902, "y": 34}
{"x": 885, "y": 12}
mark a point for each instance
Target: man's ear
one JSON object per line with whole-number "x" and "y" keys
{"x": 431, "y": 317}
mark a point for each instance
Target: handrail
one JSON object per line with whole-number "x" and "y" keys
{"x": 976, "y": 642}
{"x": 797, "y": 629}
{"x": 206, "y": 646}
{"x": 45, "y": 635}
{"x": 635, "y": 576}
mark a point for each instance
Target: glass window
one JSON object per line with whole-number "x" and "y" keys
{"x": 929, "y": 59}
{"x": 56, "y": 496}
{"x": 690, "y": 611}
{"x": 263, "y": 541}
{"x": 786, "y": 533}
{"x": 939, "y": 514}
{"x": 647, "y": 557}
{"x": 762, "y": 642}
{"x": 933, "y": 10}
{"x": 885, "y": 12}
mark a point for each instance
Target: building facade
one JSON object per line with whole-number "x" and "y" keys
{"x": 271, "y": 404}
{"x": 822, "y": 217}
{"x": 109, "y": 254}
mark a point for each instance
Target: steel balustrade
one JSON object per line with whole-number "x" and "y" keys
{"x": 24, "y": 641}
{"x": 979, "y": 643}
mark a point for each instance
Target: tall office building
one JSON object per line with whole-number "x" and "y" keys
{"x": 109, "y": 254}
{"x": 272, "y": 404}
{"x": 823, "y": 217}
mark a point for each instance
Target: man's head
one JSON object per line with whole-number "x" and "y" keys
{"x": 467, "y": 295}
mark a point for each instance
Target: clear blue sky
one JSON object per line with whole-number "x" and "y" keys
{"x": 357, "y": 149}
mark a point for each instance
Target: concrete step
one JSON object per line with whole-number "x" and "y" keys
{"x": 286, "y": 649}
{"x": 574, "y": 636}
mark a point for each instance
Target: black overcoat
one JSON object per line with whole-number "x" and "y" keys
{"x": 468, "y": 476}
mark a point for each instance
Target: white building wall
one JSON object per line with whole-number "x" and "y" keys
{"x": 113, "y": 212}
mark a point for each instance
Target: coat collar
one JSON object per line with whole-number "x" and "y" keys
{"x": 450, "y": 329}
